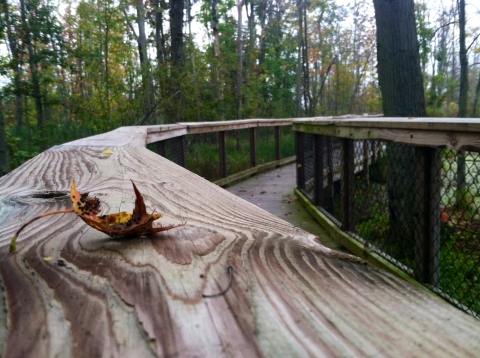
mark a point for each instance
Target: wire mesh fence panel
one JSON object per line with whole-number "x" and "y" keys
{"x": 459, "y": 222}
{"x": 334, "y": 165}
{"x": 307, "y": 167}
{"x": 203, "y": 155}
{"x": 265, "y": 145}
{"x": 238, "y": 150}
{"x": 287, "y": 141}
{"x": 173, "y": 149}
{"x": 385, "y": 199}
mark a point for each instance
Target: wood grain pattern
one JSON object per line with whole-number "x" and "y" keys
{"x": 141, "y": 297}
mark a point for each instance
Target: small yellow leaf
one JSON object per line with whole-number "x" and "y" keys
{"x": 106, "y": 151}
{"x": 48, "y": 258}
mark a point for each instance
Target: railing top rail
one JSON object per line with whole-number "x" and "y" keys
{"x": 434, "y": 124}
{"x": 450, "y": 133}
{"x": 139, "y": 136}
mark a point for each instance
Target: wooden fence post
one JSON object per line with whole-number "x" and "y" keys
{"x": 222, "y": 141}
{"x": 300, "y": 151}
{"x": 318, "y": 155}
{"x": 427, "y": 215}
{"x": 347, "y": 184}
{"x": 278, "y": 153}
{"x": 253, "y": 147}
{"x": 328, "y": 191}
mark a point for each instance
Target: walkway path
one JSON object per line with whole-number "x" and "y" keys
{"x": 273, "y": 192}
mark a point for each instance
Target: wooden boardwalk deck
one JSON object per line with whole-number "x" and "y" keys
{"x": 72, "y": 291}
{"x": 273, "y": 192}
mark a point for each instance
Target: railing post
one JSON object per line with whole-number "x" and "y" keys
{"x": 278, "y": 154}
{"x": 427, "y": 215}
{"x": 300, "y": 152}
{"x": 328, "y": 191}
{"x": 347, "y": 184}
{"x": 222, "y": 141}
{"x": 253, "y": 147}
{"x": 162, "y": 148}
{"x": 318, "y": 156}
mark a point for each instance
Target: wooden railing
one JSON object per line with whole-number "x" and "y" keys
{"x": 70, "y": 290}
{"x": 405, "y": 190}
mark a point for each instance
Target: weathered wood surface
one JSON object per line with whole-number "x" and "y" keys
{"x": 141, "y": 297}
{"x": 451, "y": 133}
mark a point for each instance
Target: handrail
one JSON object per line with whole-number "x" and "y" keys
{"x": 405, "y": 188}
{"x": 70, "y": 290}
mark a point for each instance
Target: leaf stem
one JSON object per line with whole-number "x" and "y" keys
{"x": 230, "y": 272}
{"x": 13, "y": 243}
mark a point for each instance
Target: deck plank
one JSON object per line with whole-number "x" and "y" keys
{"x": 273, "y": 192}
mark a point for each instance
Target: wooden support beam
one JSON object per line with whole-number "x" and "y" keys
{"x": 318, "y": 157}
{"x": 329, "y": 188}
{"x": 428, "y": 214}
{"x": 300, "y": 153}
{"x": 347, "y": 184}
{"x": 278, "y": 139}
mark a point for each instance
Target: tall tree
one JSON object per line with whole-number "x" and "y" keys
{"x": 11, "y": 29}
{"x": 4, "y": 156}
{"x": 240, "y": 4}
{"x": 177, "y": 56}
{"x": 401, "y": 82}
{"x": 27, "y": 12}
{"x": 463, "y": 96}
{"x": 399, "y": 72}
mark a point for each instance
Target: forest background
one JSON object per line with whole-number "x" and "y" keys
{"x": 77, "y": 68}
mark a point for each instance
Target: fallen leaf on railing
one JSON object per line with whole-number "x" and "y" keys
{"x": 119, "y": 224}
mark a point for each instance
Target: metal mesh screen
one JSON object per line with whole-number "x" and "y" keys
{"x": 203, "y": 153}
{"x": 417, "y": 207}
{"x": 203, "y": 156}
{"x": 238, "y": 150}
{"x": 173, "y": 149}
{"x": 265, "y": 145}
{"x": 287, "y": 142}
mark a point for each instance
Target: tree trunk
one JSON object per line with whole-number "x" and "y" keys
{"x": 16, "y": 67}
{"x": 401, "y": 82}
{"x": 462, "y": 100}
{"x": 263, "y": 34}
{"x": 36, "y": 91}
{"x": 463, "y": 97}
{"x": 176, "y": 106}
{"x": 4, "y": 157}
{"x": 218, "y": 87}
{"x": 176, "y": 31}
{"x": 159, "y": 42}
{"x": 239, "y": 59}
{"x": 477, "y": 95}
{"x": 299, "y": 88}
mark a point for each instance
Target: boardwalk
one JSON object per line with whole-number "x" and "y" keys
{"x": 273, "y": 192}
